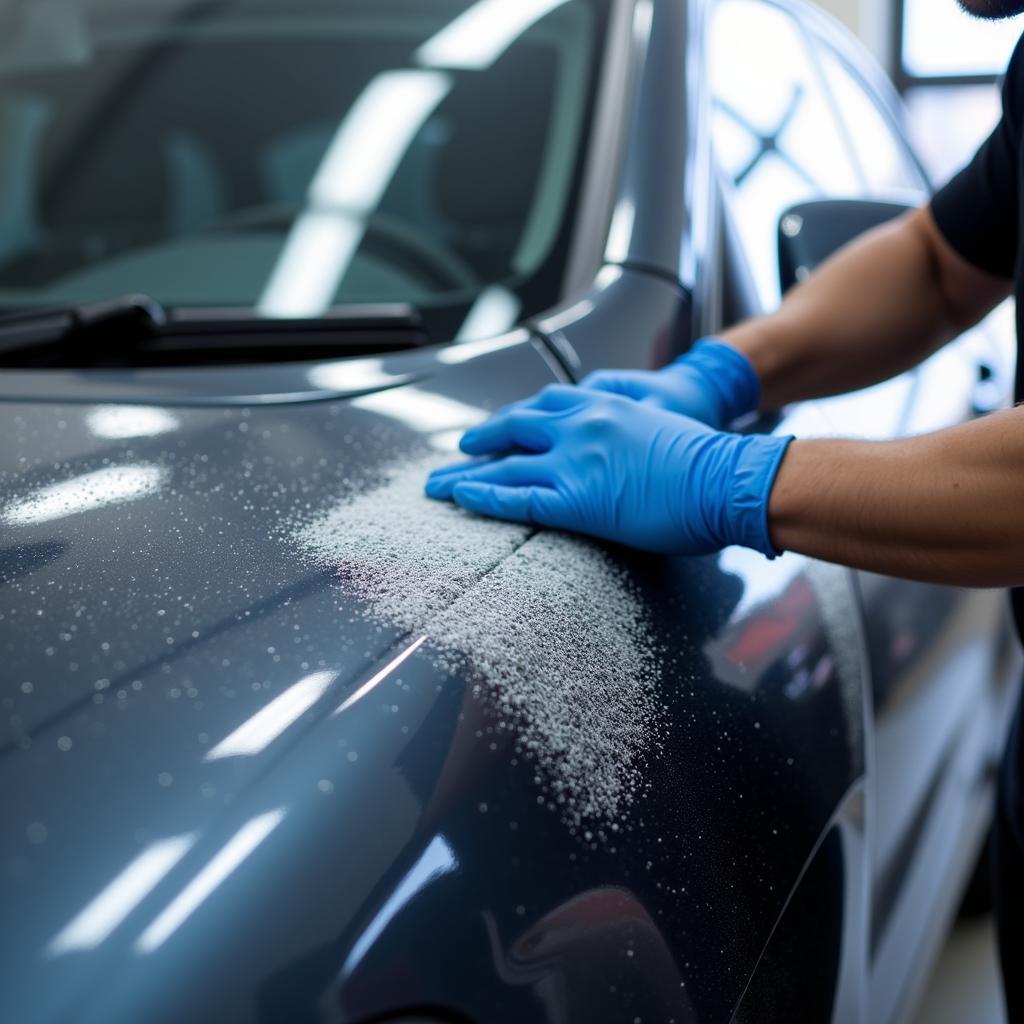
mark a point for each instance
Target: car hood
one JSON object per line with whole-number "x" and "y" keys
{"x": 175, "y": 631}
{"x": 243, "y": 780}
{"x": 145, "y": 546}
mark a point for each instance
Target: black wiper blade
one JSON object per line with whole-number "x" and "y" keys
{"x": 136, "y": 330}
{"x": 135, "y": 316}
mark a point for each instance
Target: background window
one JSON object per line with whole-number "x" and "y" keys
{"x": 940, "y": 41}
{"x": 776, "y": 140}
{"x": 947, "y": 65}
{"x": 792, "y": 121}
{"x": 881, "y": 156}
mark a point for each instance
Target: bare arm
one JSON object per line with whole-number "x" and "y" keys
{"x": 944, "y": 507}
{"x": 879, "y": 306}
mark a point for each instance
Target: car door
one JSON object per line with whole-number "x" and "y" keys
{"x": 789, "y": 87}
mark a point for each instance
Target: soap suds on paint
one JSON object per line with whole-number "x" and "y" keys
{"x": 408, "y": 557}
{"x": 548, "y": 629}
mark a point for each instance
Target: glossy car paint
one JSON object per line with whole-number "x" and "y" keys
{"x": 149, "y": 628}
{"x": 397, "y": 858}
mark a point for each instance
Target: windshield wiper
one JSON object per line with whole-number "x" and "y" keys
{"x": 137, "y": 331}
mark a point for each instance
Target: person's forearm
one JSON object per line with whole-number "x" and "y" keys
{"x": 945, "y": 507}
{"x": 878, "y": 307}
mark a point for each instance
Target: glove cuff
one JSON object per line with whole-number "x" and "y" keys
{"x": 755, "y": 466}
{"x": 728, "y": 375}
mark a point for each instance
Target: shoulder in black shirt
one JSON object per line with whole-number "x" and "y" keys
{"x": 978, "y": 211}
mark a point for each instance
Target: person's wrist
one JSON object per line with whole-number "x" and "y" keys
{"x": 726, "y": 374}
{"x": 754, "y": 467}
{"x": 724, "y": 482}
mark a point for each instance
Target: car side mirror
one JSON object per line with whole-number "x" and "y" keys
{"x": 811, "y": 232}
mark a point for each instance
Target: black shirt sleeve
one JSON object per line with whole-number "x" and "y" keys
{"x": 978, "y": 210}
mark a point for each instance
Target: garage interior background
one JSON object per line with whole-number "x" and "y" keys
{"x": 946, "y": 65}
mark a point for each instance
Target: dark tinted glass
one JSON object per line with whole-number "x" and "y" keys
{"x": 291, "y": 155}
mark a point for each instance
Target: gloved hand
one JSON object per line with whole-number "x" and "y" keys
{"x": 611, "y": 467}
{"x": 713, "y": 383}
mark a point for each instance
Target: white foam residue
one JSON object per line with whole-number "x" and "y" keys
{"x": 560, "y": 640}
{"x": 407, "y": 556}
{"x": 548, "y": 628}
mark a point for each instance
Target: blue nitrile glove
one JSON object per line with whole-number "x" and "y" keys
{"x": 713, "y": 383}
{"x": 611, "y": 467}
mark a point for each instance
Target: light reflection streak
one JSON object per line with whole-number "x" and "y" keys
{"x": 316, "y": 254}
{"x": 374, "y": 137}
{"x": 223, "y": 863}
{"x": 437, "y": 860}
{"x": 609, "y": 275}
{"x": 98, "y": 489}
{"x": 257, "y": 733}
{"x": 100, "y": 917}
{"x": 470, "y": 350}
{"x": 420, "y": 410}
{"x": 606, "y": 277}
{"x": 620, "y": 233}
{"x": 352, "y": 375}
{"x": 761, "y": 583}
{"x": 349, "y": 184}
{"x": 379, "y": 677}
{"x": 643, "y": 19}
{"x": 447, "y": 441}
{"x": 482, "y": 33}
{"x": 121, "y": 421}
{"x": 494, "y": 312}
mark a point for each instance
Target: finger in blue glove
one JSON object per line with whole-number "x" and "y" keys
{"x": 713, "y": 383}
{"x": 629, "y": 472}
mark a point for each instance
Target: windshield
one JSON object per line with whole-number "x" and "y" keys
{"x": 292, "y": 155}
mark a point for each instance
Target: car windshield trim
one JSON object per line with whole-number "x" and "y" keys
{"x": 136, "y": 328}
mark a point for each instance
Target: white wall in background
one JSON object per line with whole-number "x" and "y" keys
{"x": 940, "y": 39}
{"x": 870, "y": 20}
{"x": 947, "y": 124}
{"x": 847, "y": 11}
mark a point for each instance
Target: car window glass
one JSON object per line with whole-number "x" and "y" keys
{"x": 886, "y": 164}
{"x": 289, "y": 157}
{"x": 773, "y": 130}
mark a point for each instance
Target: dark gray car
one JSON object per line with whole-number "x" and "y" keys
{"x": 284, "y": 741}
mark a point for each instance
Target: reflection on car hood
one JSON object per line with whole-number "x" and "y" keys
{"x": 142, "y": 543}
{"x": 168, "y": 635}
{"x": 216, "y": 717}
